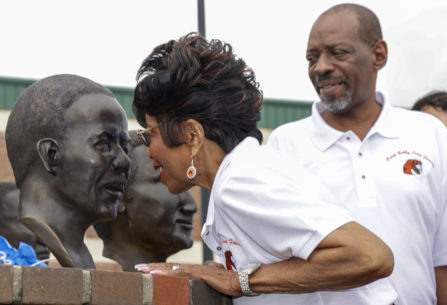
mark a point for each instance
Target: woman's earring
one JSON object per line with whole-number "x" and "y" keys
{"x": 191, "y": 172}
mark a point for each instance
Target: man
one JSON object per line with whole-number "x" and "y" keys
{"x": 152, "y": 223}
{"x": 67, "y": 142}
{"x": 386, "y": 165}
{"x": 434, "y": 103}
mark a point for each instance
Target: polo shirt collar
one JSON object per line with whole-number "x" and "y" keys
{"x": 387, "y": 123}
{"x": 324, "y": 135}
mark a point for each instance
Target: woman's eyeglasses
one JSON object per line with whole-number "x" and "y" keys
{"x": 143, "y": 134}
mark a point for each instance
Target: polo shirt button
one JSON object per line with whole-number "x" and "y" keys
{"x": 360, "y": 154}
{"x": 207, "y": 233}
{"x": 219, "y": 248}
{"x": 348, "y": 138}
{"x": 363, "y": 177}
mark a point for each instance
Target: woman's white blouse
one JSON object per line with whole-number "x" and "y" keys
{"x": 264, "y": 207}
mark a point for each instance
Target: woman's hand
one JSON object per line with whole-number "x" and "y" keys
{"x": 222, "y": 280}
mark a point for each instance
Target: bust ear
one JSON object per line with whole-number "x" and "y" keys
{"x": 48, "y": 150}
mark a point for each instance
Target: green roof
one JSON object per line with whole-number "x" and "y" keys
{"x": 275, "y": 111}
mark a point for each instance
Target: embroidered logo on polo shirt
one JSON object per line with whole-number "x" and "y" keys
{"x": 229, "y": 263}
{"x": 413, "y": 167}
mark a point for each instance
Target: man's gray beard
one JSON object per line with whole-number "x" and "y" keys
{"x": 338, "y": 105}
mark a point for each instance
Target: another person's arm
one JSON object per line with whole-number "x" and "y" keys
{"x": 350, "y": 256}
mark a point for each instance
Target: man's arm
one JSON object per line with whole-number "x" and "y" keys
{"x": 350, "y": 256}
{"x": 441, "y": 284}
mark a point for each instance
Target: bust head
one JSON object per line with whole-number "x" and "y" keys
{"x": 67, "y": 142}
{"x": 153, "y": 221}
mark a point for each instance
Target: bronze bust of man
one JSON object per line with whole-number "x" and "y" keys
{"x": 152, "y": 223}
{"x": 67, "y": 142}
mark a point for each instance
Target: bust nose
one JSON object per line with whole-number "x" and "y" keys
{"x": 121, "y": 160}
{"x": 188, "y": 203}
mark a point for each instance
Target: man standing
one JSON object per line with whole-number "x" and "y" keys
{"x": 387, "y": 165}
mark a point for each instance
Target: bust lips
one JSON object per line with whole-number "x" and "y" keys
{"x": 115, "y": 185}
{"x": 186, "y": 223}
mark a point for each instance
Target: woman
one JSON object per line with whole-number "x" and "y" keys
{"x": 268, "y": 219}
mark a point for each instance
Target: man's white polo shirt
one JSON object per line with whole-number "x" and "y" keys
{"x": 265, "y": 208}
{"x": 393, "y": 182}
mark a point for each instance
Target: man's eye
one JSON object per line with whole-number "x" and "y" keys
{"x": 339, "y": 52}
{"x": 310, "y": 58}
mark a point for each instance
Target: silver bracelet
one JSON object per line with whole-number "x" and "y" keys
{"x": 243, "y": 274}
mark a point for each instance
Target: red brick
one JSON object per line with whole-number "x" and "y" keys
{"x": 116, "y": 288}
{"x": 201, "y": 293}
{"x": 108, "y": 266}
{"x": 62, "y": 286}
{"x": 170, "y": 290}
{"x": 6, "y": 277}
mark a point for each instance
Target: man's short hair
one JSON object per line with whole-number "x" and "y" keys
{"x": 39, "y": 112}
{"x": 436, "y": 99}
{"x": 369, "y": 30}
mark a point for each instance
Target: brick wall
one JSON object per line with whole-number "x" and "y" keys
{"x": 43, "y": 286}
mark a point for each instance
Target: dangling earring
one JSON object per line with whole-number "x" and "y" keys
{"x": 191, "y": 172}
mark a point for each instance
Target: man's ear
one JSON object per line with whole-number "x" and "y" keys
{"x": 194, "y": 134}
{"x": 48, "y": 150}
{"x": 380, "y": 53}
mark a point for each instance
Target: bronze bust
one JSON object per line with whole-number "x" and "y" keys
{"x": 152, "y": 223}
{"x": 67, "y": 142}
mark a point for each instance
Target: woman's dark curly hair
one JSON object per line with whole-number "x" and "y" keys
{"x": 192, "y": 78}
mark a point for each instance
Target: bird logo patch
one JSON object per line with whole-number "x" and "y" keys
{"x": 413, "y": 167}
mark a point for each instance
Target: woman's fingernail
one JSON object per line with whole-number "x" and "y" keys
{"x": 141, "y": 267}
{"x": 156, "y": 271}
